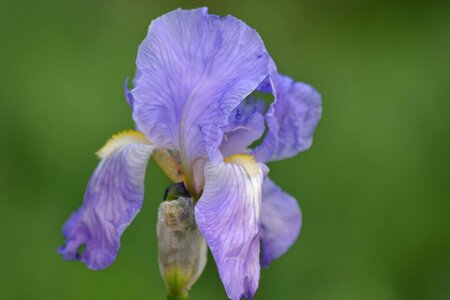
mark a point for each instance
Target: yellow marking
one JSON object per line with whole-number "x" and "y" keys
{"x": 245, "y": 160}
{"x": 167, "y": 163}
{"x": 120, "y": 139}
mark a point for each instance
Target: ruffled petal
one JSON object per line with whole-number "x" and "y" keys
{"x": 194, "y": 69}
{"x": 264, "y": 151}
{"x": 228, "y": 215}
{"x": 297, "y": 117}
{"x": 246, "y": 125}
{"x": 292, "y": 117}
{"x": 113, "y": 198}
{"x": 281, "y": 221}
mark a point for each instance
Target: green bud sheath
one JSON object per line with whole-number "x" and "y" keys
{"x": 181, "y": 247}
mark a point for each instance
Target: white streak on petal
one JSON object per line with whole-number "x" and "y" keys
{"x": 228, "y": 215}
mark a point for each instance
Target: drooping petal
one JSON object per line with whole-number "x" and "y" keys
{"x": 292, "y": 117}
{"x": 228, "y": 215}
{"x": 113, "y": 198}
{"x": 195, "y": 68}
{"x": 281, "y": 221}
{"x": 246, "y": 125}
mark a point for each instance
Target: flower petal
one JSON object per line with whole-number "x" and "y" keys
{"x": 298, "y": 119}
{"x": 264, "y": 151}
{"x": 128, "y": 95}
{"x": 194, "y": 69}
{"x": 281, "y": 221}
{"x": 228, "y": 215}
{"x": 292, "y": 117}
{"x": 246, "y": 125}
{"x": 112, "y": 200}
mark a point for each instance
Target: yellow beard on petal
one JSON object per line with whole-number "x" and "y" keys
{"x": 120, "y": 139}
{"x": 245, "y": 160}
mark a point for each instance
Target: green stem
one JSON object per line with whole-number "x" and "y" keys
{"x": 177, "y": 297}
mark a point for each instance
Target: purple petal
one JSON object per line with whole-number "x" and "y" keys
{"x": 195, "y": 68}
{"x": 128, "y": 95}
{"x": 292, "y": 117}
{"x": 298, "y": 119}
{"x": 264, "y": 151}
{"x": 112, "y": 200}
{"x": 246, "y": 125}
{"x": 281, "y": 221}
{"x": 228, "y": 215}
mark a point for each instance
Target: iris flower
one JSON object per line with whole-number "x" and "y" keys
{"x": 195, "y": 114}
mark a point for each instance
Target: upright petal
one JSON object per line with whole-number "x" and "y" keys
{"x": 246, "y": 125}
{"x": 194, "y": 69}
{"x": 228, "y": 215}
{"x": 112, "y": 200}
{"x": 297, "y": 119}
{"x": 264, "y": 151}
{"x": 281, "y": 220}
{"x": 292, "y": 117}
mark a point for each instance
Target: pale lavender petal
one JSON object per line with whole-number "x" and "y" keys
{"x": 298, "y": 119}
{"x": 195, "y": 69}
{"x": 113, "y": 198}
{"x": 281, "y": 221}
{"x": 264, "y": 151}
{"x": 228, "y": 215}
{"x": 246, "y": 125}
{"x": 292, "y": 117}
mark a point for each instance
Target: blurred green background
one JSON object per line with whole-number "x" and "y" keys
{"x": 374, "y": 188}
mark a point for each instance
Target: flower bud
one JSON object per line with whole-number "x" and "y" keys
{"x": 181, "y": 247}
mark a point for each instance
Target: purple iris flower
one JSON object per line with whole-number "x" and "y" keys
{"x": 196, "y": 117}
